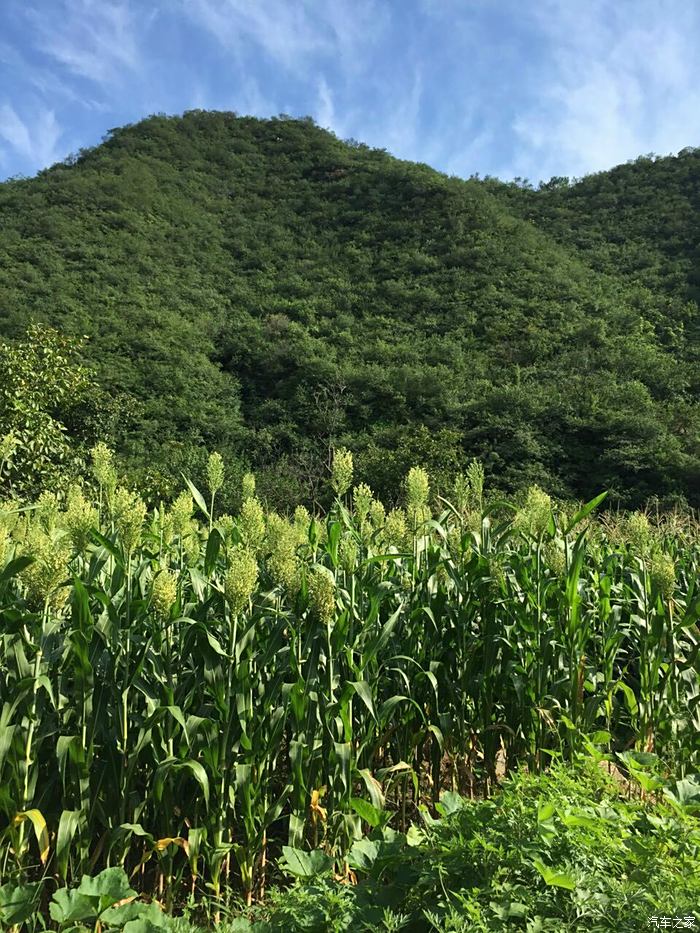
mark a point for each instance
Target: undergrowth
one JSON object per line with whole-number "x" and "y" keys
{"x": 566, "y": 850}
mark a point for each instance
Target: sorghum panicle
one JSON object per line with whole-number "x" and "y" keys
{"x": 43, "y": 577}
{"x": 341, "y": 471}
{"x": 215, "y": 472}
{"x": 103, "y": 468}
{"x": 241, "y": 578}
{"x": 247, "y": 486}
{"x": 395, "y": 533}
{"x": 251, "y": 523}
{"x": 663, "y": 573}
{"x": 417, "y": 488}
{"x": 164, "y": 593}
{"x": 637, "y": 531}
{"x": 321, "y": 586}
{"x": 281, "y": 543}
{"x": 181, "y": 513}
{"x": 302, "y": 522}
{"x": 362, "y": 500}
{"x": 129, "y": 514}
{"x": 80, "y": 518}
{"x": 533, "y": 518}
{"x": 377, "y": 514}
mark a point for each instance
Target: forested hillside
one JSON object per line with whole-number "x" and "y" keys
{"x": 261, "y": 288}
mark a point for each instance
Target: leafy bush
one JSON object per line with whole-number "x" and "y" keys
{"x": 105, "y": 902}
{"x": 41, "y": 382}
{"x": 562, "y": 851}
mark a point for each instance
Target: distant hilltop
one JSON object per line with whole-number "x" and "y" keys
{"x": 265, "y": 289}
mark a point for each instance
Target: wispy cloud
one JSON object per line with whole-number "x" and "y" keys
{"x": 65, "y": 64}
{"x": 330, "y": 51}
{"x": 292, "y": 33}
{"x": 400, "y": 125}
{"x": 518, "y": 87}
{"x": 615, "y": 82}
{"x": 44, "y": 80}
{"x": 325, "y": 109}
{"x": 35, "y": 137}
{"x": 94, "y": 39}
{"x": 281, "y": 29}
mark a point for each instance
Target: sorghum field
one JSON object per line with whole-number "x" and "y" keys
{"x": 199, "y": 699}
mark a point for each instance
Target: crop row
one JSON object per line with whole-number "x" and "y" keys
{"x": 183, "y": 692}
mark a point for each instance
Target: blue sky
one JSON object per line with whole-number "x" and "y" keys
{"x": 529, "y": 88}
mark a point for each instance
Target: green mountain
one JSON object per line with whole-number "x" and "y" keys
{"x": 262, "y": 288}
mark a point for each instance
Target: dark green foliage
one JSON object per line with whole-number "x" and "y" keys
{"x": 558, "y": 852}
{"x": 42, "y": 388}
{"x": 265, "y": 289}
{"x": 639, "y": 222}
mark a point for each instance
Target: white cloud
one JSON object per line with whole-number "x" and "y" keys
{"x": 280, "y": 28}
{"x": 92, "y": 39}
{"x": 250, "y": 98}
{"x": 35, "y": 139}
{"x": 15, "y": 131}
{"x": 615, "y": 82}
{"x": 399, "y": 125}
{"x": 390, "y": 121}
{"x": 325, "y": 110}
{"x": 518, "y": 87}
{"x": 329, "y": 47}
{"x": 292, "y": 33}
{"x": 469, "y": 157}
{"x": 44, "y": 81}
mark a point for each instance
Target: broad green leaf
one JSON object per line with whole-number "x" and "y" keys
{"x": 581, "y": 819}
{"x": 111, "y": 883}
{"x": 584, "y": 512}
{"x": 134, "y": 910}
{"x": 366, "y": 811}
{"x": 18, "y": 902}
{"x": 637, "y": 761}
{"x": 378, "y": 642}
{"x": 374, "y": 788}
{"x": 450, "y": 802}
{"x": 69, "y": 906}
{"x": 145, "y": 925}
{"x": 553, "y": 877}
{"x": 685, "y": 793}
{"x": 545, "y": 811}
{"x": 194, "y": 767}
{"x": 363, "y": 854}
{"x": 648, "y": 782}
{"x": 630, "y": 699}
{"x": 214, "y": 542}
{"x": 363, "y": 690}
{"x": 415, "y": 836}
{"x": 108, "y": 545}
{"x": 303, "y": 864}
{"x": 15, "y": 567}
{"x": 177, "y": 715}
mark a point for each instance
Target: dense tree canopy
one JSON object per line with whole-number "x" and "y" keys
{"x": 43, "y": 390}
{"x": 260, "y": 287}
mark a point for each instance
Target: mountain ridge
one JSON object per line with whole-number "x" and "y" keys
{"x": 260, "y": 287}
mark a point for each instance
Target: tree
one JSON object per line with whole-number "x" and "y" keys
{"x": 42, "y": 383}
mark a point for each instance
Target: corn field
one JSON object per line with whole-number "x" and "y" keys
{"x": 183, "y": 692}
